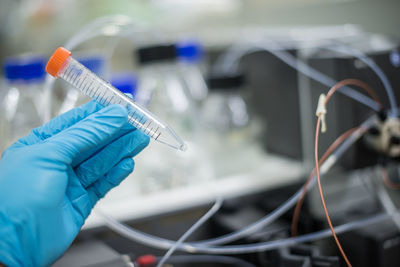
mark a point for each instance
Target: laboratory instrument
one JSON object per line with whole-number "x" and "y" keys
{"x": 287, "y": 79}
{"x": 61, "y": 64}
{"x": 201, "y": 246}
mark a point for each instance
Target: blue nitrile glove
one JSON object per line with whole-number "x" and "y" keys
{"x": 51, "y": 179}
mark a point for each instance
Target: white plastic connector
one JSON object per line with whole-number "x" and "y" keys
{"x": 328, "y": 164}
{"x": 321, "y": 111}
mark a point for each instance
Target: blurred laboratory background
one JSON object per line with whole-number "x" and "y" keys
{"x": 239, "y": 81}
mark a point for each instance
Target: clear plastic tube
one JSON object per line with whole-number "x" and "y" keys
{"x": 161, "y": 243}
{"x": 288, "y": 204}
{"x": 62, "y": 65}
{"x": 252, "y": 228}
{"x": 230, "y": 61}
{"x": 341, "y": 48}
{"x": 118, "y": 25}
{"x": 322, "y": 78}
{"x": 191, "y": 230}
{"x": 265, "y": 246}
{"x": 108, "y": 25}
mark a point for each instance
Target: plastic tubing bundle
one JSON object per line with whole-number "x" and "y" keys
{"x": 209, "y": 246}
{"x": 229, "y": 61}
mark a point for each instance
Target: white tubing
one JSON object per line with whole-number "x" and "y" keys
{"x": 229, "y": 62}
{"x": 265, "y": 246}
{"x": 244, "y": 249}
{"x": 288, "y": 204}
{"x": 191, "y": 230}
{"x": 374, "y": 67}
{"x": 252, "y": 228}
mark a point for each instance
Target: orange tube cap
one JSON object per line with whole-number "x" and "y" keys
{"x": 57, "y": 60}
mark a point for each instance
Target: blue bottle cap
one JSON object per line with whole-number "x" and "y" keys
{"x": 12, "y": 69}
{"x": 395, "y": 58}
{"x": 126, "y": 82}
{"x": 189, "y": 51}
{"x": 95, "y": 63}
{"x": 25, "y": 68}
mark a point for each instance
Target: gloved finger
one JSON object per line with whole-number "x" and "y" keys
{"x": 80, "y": 141}
{"x": 116, "y": 175}
{"x": 59, "y": 123}
{"x": 77, "y": 197}
{"x": 129, "y": 145}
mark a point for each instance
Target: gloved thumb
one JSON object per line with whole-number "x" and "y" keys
{"x": 89, "y": 135}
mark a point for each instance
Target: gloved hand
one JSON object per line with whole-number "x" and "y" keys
{"x": 51, "y": 179}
